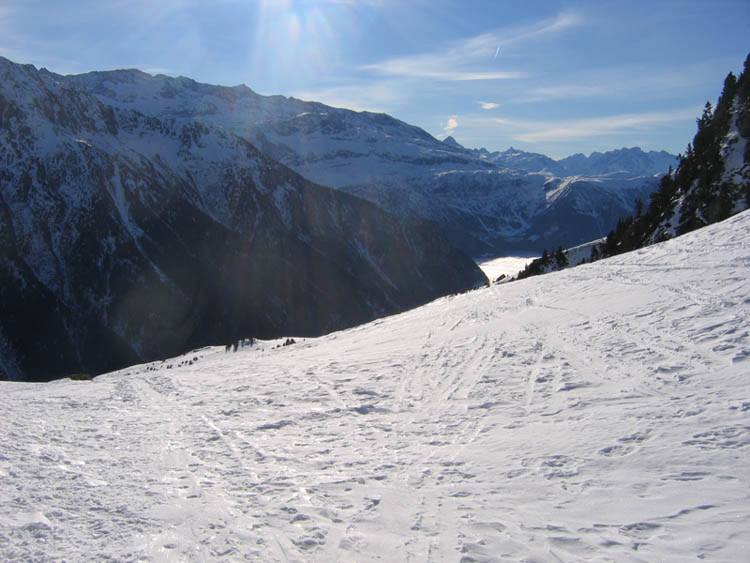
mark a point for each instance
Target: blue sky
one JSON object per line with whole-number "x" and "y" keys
{"x": 556, "y": 77}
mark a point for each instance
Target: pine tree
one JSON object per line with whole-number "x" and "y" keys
{"x": 594, "y": 253}
{"x": 561, "y": 259}
{"x": 545, "y": 257}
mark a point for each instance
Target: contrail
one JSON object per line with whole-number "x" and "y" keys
{"x": 496, "y": 52}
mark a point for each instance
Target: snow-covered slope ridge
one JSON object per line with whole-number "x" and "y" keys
{"x": 484, "y": 205}
{"x": 601, "y": 413}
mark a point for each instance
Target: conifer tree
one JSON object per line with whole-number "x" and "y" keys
{"x": 560, "y": 258}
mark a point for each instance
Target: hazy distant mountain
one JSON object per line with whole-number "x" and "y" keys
{"x": 515, "y": 158}
{"x": 128, "y": 234}
{"x": 632, "y": 162}
{"x": 521, "y": 200}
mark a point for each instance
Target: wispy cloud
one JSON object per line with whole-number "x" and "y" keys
{"x": 488, "y": 105}
{"x": 415, "y": 68}
{"x": 563, "y": 92}
{"x": 546, "y": 131}
{"x": 376, "y": 97}
{"x": 623, "y": 82}
{"x": 469, "y": 58}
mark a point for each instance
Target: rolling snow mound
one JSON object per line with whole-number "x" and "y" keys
{"x": 599, "y": 413}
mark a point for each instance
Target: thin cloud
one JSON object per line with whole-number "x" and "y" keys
{"x": 466, "y": 60}
{"x": 488, "y": 105}
{"x": 422, "y": 68}
{"x": 541, "y": 131}
{"x": 617, "y": 82}
{"x": 375, "y": 3}
{"x": 562, "y": 92}
{"x": 381, "y": 97}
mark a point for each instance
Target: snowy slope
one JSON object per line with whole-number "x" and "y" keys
{"x": 601, "y": 413}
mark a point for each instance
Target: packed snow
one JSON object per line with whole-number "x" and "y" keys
{"x": 599, "y": 413}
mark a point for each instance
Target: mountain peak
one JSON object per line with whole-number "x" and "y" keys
{"x": 449, "y": 140}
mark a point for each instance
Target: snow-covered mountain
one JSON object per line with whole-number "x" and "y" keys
{"x": 628, "y": 161}
{"x": 127, "y": 235}
{"x": 483, "y": 205}
{"x": 515, "y": 158}
{"x": 596, "y": 414}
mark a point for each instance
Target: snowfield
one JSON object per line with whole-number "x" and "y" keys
{"x": 601, "y": 413}
{"x": 505, "y": 265}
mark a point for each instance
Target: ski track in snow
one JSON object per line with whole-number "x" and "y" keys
{"x": 601, "y": 413}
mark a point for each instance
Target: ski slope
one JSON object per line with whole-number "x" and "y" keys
{"x": 601, "y": 413}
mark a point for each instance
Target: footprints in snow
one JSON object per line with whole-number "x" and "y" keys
{"x": 626, "y": 444}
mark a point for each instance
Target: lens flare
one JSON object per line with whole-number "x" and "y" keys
{"x": 301, "y": 38}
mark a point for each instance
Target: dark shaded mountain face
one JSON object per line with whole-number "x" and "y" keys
{"x": 488, "y": 203}
{"x": 126, "y": 237}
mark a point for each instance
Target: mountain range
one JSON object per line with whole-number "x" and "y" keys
{"x": 631, "y": 161}
{"x": 585, "y": 415}
{"x": 487, "y": 204}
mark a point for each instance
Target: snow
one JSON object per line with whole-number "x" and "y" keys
{"x": 598, "y": 413}
{"x": 505, "y": 265}
{"x": 577, "y": 254}
{"x": 280, "y": 198}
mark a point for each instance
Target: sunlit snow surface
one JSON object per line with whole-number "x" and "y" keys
{"x": 600, "y": 413}
{"x": 493, "y": 268}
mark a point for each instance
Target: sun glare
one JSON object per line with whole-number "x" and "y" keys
{"x": 300, "y": 38}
